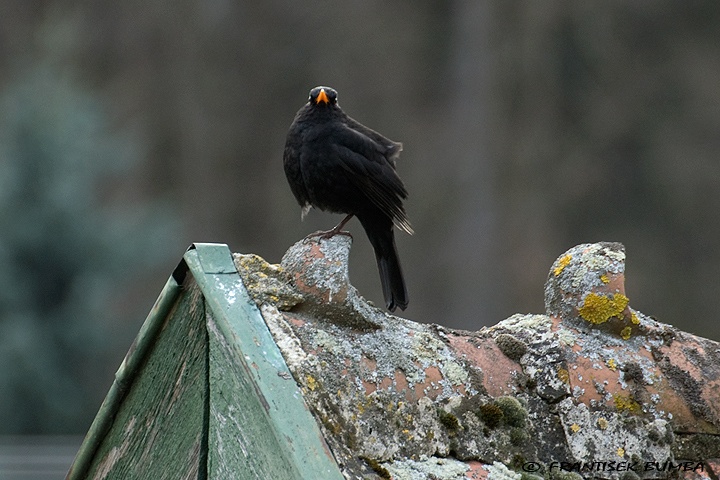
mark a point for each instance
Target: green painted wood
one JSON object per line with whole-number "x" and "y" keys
{"x": 259, "y": 425}
{"x": 158, "y": 430}
{"x": 204, "y": 391}
{"x": 135, "y": 358}
{"x": 241, "y": 443}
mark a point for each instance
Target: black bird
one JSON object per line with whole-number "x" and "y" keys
{"x": 335, "y": 164}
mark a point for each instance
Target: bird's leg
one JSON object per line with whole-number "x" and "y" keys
{"x": 336, "y": 230}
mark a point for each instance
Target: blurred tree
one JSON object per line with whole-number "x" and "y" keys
{"x": 65, "y": 242}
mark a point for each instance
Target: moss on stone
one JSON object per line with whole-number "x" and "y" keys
{"x": 514, "y": 414}
{"x": 377, "y": 467}
{"x": 511, "y": 346}
{"x": 448, "y": 420}
{"x": 491, "y": 415}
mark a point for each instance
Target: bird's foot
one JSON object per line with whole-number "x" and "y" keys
{"x": 325, "y": 234}
{"x": 336, "y": 230}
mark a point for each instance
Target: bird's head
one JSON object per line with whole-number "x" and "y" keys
{"x": 323, "y": 96}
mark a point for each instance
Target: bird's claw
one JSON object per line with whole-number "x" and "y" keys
{"x": 326, "y": 234}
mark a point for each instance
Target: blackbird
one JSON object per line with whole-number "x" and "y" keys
{"x": 335, "y": 164}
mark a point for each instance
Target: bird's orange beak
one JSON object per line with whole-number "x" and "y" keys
{"x": 322, "y": 97}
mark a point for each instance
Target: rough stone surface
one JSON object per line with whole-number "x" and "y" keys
{"x": 590, "y": 389}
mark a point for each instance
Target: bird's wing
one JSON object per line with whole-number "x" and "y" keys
{"x": 393, "y": 149}
{"x": 370, "y": 169}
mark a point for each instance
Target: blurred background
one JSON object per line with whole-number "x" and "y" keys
{"x": 129, "y": 130}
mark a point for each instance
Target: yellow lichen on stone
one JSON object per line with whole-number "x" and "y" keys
{"x": 575, "y": 427}
{"x": 561, "y": 264}
{"x": 599, "y": 309}
{"x": 364, "y": 404}
{"x": 602, "y": 423}
{"x": 626, "y": 333}
{"x": 612, "y": 364}
{"x": 265, "y": 282}
{"x": 604, "y": 278}
{"x": 311, "y": 383}
{"x": 563, "y": 375}
{"x": 621, "y": 452}
{"x": 624, "y": 403}
{"x": 634, "y": 318}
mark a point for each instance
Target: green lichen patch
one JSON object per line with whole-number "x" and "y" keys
{"x": 427, "y": 467}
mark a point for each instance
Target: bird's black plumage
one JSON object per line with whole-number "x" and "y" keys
{"x": 336, "y": 164}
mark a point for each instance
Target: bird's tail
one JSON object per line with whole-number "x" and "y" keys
{"x": 382, "y": 237}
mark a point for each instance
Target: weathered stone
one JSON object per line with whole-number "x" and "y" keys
{"x": 591, "y": 381}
